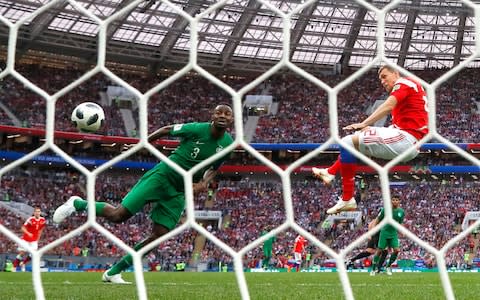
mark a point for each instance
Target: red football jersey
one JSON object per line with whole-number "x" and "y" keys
{"x": 299, "y": 245}
{"x": 34, "y": 226}
{"x": 411, "y": 112}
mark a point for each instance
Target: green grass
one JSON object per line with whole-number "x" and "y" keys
{"x": 269, "y": 286}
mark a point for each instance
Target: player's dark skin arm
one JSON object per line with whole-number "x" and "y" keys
{"x": 372, "y": 224}
{"x": 202, "y": 185}
{"x": 159, "y": 133}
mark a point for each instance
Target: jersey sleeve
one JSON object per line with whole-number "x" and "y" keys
{"x": 403, "y": 88}
{"x": 187, "y": 130}
{"x": 400, "y": 91}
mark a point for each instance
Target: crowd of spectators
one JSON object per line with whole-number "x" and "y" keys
{"x": 458, "y": 107}
{"x": 250, "y": 206}
{"x": 434, "y": 212}
{"x": 303, "y": 107}
{"x": 187, "y": 100}
{"x": 435, "y": 208}
{"x": 303, "y": 113}
{"x": 29, "y": 108}
{"x": 302, "y": 116}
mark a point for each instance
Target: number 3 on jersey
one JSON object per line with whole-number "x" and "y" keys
{"x": 195, "y": 152}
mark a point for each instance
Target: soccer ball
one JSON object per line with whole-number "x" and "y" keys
{"x": 88, "y": 117}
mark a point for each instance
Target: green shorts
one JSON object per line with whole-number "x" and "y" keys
{"x": 388, "y": 241}
{"x": 156, "y": 186}
{"x": 267, "y": 251}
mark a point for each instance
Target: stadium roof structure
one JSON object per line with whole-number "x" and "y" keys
{"x": 245, "y": 35}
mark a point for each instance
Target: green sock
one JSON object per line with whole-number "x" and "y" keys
{"x": 383, "y": 256}
{"x": 81, "y": 205}
{"x": 124, "y": 263}
{"x": 265, "y": 262}
{"x": 375, "y": 262}
{"x": 393, "y": 257}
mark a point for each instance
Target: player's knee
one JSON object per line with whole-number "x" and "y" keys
{"x": 119, "y": 215}
{"x": 345, "y": 155}
{"x": 348, "y": 140}
{"x": 158, "y": 230}
{"x": 353, "y": 140}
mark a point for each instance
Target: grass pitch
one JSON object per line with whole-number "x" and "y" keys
{"x": 269, "y": 286}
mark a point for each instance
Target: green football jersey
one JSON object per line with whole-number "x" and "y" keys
{"x": 268, "y": 243}
{"x": 388, "y": 230}
{"x": 196, "y": 145}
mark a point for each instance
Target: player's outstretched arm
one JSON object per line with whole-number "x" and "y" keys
{"x": 162, "y": 132}
{"x": 159, "y": 133}
{"x": 382, "y": 111}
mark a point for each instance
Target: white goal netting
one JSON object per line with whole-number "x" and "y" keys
{"x": 237, "y": 96}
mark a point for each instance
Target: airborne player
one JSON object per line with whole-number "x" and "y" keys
{"x": 407, "y": 104}
{"x": 162, "y": 185}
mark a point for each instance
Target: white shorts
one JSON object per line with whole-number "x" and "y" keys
{"x": 387, "y": 143}
{"x": 33, "y": 245}
{"x": 298, "y": 257}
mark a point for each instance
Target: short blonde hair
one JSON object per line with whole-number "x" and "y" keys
{"x": 388, "y": 67}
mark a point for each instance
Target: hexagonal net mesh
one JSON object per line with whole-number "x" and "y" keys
{"x": 237, "y": 106}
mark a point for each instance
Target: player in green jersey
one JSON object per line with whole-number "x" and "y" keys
{"x": 267, "y": 249}
{"x": 388, "y": 237}
{"x": 370, "y": 250}
{"x": 162, "y": 185}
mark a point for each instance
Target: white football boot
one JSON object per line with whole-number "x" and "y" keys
{"x": 342, "y": 206}
{"x": 323, "y": 174}
{"x": 116, "y": 279}
{"x": 64, "y": 210}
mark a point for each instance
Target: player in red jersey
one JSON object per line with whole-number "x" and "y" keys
{"x": 32, "y": 231}
{"x": 407, "y": 104}
{"x": 298, "y": 250}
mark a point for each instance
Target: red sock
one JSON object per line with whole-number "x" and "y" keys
{"x": 347, "y": 170}
{"x": 333, "y": 169}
